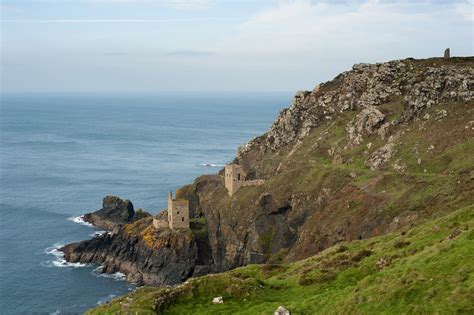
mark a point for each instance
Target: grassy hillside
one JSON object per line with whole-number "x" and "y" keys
{"x": 427, "y": 269}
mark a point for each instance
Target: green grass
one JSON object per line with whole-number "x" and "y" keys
{"x": 198, "y": 227}
{"x": 429, "y": 270}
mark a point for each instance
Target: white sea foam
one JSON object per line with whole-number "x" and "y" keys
{"x": 80, "y": 220}
{"x": 211, "y": 165}
{"x": 59, "y": 260}
{"x": 98, "y": 233}
{"x": 116, "y": 276}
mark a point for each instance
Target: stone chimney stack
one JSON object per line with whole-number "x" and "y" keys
{"x": 446, "y": 53}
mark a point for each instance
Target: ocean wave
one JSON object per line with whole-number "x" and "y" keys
{"x": 59, "y": 260}
{"x": 119, "y": 276}
{"x": 98, "y": 233}
{"x": 211, "y": 165}
{"x": 80, "y": 220}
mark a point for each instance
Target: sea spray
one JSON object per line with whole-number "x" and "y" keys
{"x": 80, "y": 220}
{"x": 59, "y": 260}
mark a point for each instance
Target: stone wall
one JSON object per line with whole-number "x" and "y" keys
{"x": 160, "y": 224}
{"x": 234, "y": 178}
{"x": 254, "y": 182}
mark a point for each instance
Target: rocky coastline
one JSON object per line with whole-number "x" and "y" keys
{"x": 133, "y": 247}
{"x": 378, "y": 148}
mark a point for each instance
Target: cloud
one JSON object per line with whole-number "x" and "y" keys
{"x": 117, "y": 54}
{"x": 320, "y": 26}
{"x": 190, "y": 53}
{"x": 76, "y": 21}
{"x": 466, "y": 10}
{"x": 193, "y": 5}
{"x": 175, "y": 4}
{"x": 281, "y": 45}
{"x": 190, "y": 4}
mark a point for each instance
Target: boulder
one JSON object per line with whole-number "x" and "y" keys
{"x": 218, "y": 300}
{"x": 281, "y": 310}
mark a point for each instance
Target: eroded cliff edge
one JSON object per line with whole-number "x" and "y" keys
{"x": 379, "y": 147}
{"x": 144, "y": 255}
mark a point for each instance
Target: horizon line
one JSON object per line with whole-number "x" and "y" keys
{"x": 145, "y": 91}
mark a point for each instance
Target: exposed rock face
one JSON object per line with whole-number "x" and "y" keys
{"x": 292, "y": 123}
{"x": 364, "y": 88}
{"x": 145, "y": 255}
{"x": 369, "y": 121}
{"x": 381, "y": 155}
{"x": 439, "y": 84}
{"x": 114, "y": 212}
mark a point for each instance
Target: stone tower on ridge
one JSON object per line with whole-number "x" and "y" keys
{"x": 447, "y": 53}
{"x": 234, "y": 177}
{"x": 178, "y": 212}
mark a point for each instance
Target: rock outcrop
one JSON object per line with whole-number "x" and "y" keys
{"x": 369, "y": 121}
{"x": 382, "y": 155}
{"x": 144, "y": 254}
{"x": 114, "y": 213}
{"x": 418, "y": 84}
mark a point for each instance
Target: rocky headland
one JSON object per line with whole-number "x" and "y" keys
{"x": 145, "y": 256}
{"x": 379, "y": 148}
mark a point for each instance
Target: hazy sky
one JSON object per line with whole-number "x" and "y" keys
{"x": 216, "y": 45}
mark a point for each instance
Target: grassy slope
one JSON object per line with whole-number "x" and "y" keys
{"x": 429, "y": 270}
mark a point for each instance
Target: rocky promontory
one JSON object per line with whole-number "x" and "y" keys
{"x": 114, "y": 213}
{"x": 144, "y": 254}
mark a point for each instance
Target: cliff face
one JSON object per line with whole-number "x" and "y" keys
{"x": 145, "y": 255}
{"x": 377, "y": 148}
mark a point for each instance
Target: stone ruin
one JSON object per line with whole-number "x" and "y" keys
{"x": 178, "y": 214}
{"x": 234, "y": 178}
{"x": 447, "y": 53}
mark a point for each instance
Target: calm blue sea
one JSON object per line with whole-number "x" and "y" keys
{"x": 62, "y": 153}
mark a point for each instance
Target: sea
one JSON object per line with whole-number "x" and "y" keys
{"x": 61, "y": 153}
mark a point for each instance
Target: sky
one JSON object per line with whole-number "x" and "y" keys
{"x": 216, "y": 45}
